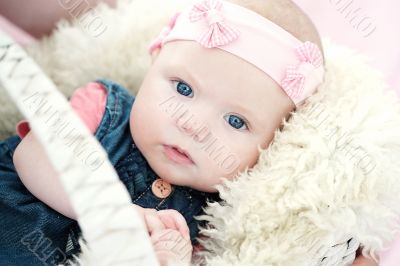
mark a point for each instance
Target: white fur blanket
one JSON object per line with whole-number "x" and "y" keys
{"x": 331, "y": 174}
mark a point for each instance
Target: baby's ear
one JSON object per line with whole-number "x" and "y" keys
{"x": 154, "y": 54}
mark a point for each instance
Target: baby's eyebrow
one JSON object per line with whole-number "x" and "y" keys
{"x": 247, "y": 113}
{"x": 194, "y": 81}
{"x": 239, "y": 108}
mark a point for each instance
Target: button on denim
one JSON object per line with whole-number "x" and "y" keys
{"x": 31, "y": 233}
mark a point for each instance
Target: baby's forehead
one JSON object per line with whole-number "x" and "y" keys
{"x": 213, "y": 66}
{"x": 226, "y": 81}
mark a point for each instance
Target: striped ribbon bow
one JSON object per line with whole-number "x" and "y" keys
{"x": 219, "y": 32}
{"x": 310, "y": 58}
{"x": 156, "y": 44}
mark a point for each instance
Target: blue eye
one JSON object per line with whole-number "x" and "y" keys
{"x": 183, "y": 89}
{"x": 236, "y": 122}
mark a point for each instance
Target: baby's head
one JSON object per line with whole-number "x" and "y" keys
{"x": 217, "y": 105}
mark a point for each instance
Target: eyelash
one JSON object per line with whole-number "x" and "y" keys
{"x": 245, "y": 121}
{"x": 181, "y": 81}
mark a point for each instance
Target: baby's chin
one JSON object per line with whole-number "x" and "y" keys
{"x": 180, "y": 178}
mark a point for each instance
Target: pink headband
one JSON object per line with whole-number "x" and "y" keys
{"x": 296, "y": 66}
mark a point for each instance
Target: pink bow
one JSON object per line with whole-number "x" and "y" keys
{"x": 294, "y": 80}
{"x": 164, "y": 32}
{"x": 218, "y": 33}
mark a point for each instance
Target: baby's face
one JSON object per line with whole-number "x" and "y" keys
{"x": 210, "y": 103}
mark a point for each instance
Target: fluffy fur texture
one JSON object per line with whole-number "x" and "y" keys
{"x": 333, "y": 171}
{"x": 330, "y": 174}
{"x": 74, "y": 55}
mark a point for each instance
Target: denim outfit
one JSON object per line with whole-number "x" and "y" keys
{"x": 31, "y": 233}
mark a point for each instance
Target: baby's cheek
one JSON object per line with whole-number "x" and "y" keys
{"x": 249, "y": 157}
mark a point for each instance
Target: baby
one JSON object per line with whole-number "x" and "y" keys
{"x": 224, "y": 75}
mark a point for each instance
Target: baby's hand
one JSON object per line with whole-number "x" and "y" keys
{"x": 172, "y": 219}
{"x": 164, "y": 219}
{"x": 169, "y": 245}
{"x": 362, "y": 261}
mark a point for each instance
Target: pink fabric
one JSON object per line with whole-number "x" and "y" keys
{"x": 15, "y": 32}
{"x": 297, "y": 75}
{"x": 219, "y": 32}
{"x": 371, "y": 29}
{"x": 365, "y": 26}
{"x": 246, "y": 34}
{"x": 39, "y": 17}
{"x": 391, "y": 257}
{"x": 88, "y": 101}
{"x": 156, "y": 43}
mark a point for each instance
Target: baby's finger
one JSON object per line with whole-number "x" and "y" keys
{"x": 165, "y": 257}
{"x": 172, "y": 241}
{"x": 362, "y": 261}
{"x": 177, "y": 253}
{"x": 153, "y": 222}
{"x": 172, "y": 218}
{"x": 165, "y": 235}
{"x": 168, "y": 219}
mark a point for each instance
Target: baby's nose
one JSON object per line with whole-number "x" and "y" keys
{"x": 191, "y": 126}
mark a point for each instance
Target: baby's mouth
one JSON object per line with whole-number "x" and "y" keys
{"x": 177, "y": 154}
